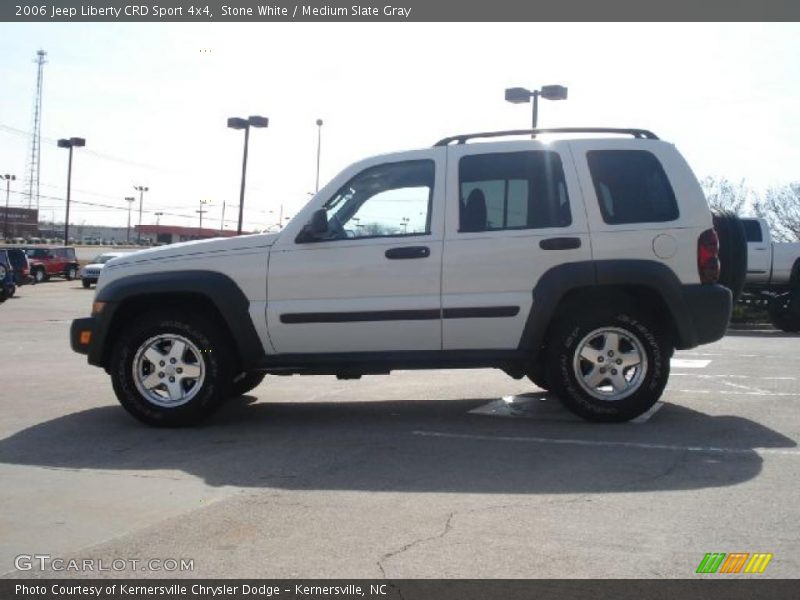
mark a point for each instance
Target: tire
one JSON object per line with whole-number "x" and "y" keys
{"x": 538, "y": 375}
{"x": 784, "y": 311}
{"x": 246, "y": 383}
{"x": 86, "y": 284}
{"x": 143, "y": 390}
{"x": 732, "y": 252}
{"x": 593, "y": 335}
{"x": 39, "y": 276}
{"x": 71, "y": 273}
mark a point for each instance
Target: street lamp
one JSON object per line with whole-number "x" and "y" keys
{"x": 520, "y": 95}
{"x": 201, "y": 211}
{"x": 319, "y": 148}
{"x": 130, "y": 200}
{"x": 9, "y": 179}
{"x": 246, "y": 124}
{"x": 141, "y": 189}
{"x": 74, "y": 142}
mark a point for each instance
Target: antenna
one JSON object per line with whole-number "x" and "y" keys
{"x": 35, "y": 157}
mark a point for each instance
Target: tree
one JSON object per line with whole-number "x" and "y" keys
{"x": 723, "y": 194}
{"x": 781, "y": 208}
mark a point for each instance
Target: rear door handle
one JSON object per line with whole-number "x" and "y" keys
{"x": 408, "y": 252}
{"x": 560, "y": 243}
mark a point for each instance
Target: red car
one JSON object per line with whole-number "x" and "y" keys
{"x": 52, "y": 262}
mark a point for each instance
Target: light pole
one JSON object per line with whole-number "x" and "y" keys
{"x": 9, "y": 179}
{"x": 319, "y": 148}
{"x": 141, "y": 189}
{"x": 158, "y": 225}
{"x": 201, "y": 211}
{"x": 130, "y": 200}
{"x": 246, "y": 124}
{"x": 74, "y": 142}
{"x": 520, "y": 95}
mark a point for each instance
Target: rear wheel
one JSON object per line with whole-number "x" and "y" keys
{"x": 171, "y": 368}
{"x": 71, "y": 273}
{"x": 784, "y": 311}
{"x": 608, "y": 366}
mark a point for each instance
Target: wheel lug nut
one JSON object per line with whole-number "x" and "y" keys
{"x": 611, "y": 353}
{"x": 179, "y": 370}
{"x": 600, "y": 359}
{"x": 613, "y": 371}
{"x": 172, "y": 380}
{"x": 172, "y": 361}
{"x": 161, "y": 363}
{"x": 161, "y": 375}
{"x": 619, "y": 361}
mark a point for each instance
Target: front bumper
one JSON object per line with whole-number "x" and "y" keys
{"x": 81, "y": 333}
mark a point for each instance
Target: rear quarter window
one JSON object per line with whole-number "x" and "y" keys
{"x": 752, "y": 230}
{"x": 631, "y": 187}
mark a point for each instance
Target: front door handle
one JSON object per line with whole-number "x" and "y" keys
{"x": 560, "y": 243}
{"x": 408, "y": 252}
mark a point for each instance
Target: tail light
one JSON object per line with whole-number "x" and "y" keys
{"x": 708, "y": 256}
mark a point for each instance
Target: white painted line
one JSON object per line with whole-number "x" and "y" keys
{"x": 644, "y": 418}
{"x": 732, "y": 377}
{"x": 688, "y": 363}
{"x": 731, "y": 393}
{"x": 596, "y": 443}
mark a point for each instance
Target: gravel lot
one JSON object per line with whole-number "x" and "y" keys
{"x": 417, "y": 474}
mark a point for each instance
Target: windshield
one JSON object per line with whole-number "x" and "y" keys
{"x": 102, "y": 259}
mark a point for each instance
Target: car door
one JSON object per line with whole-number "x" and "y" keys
{"x": 759, "y": 257}
{"x": 372, "y": 283}
{"x": 514, "y": 211}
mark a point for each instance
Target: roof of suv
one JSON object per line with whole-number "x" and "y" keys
{"x": 464, "y": 137}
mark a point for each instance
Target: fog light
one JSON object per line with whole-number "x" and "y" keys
{"x": 86, "y": 338}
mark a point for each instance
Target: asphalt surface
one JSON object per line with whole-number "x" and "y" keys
{"x": 417, "y": 474}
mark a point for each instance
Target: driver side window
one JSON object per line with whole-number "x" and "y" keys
{"x": 388, "y": 200}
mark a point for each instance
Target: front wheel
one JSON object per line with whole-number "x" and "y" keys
{"x": 86, "y": 284}
{"x": 39, "y": 276}
{"x": 608, "y": 367}
{"x": 784, "y": 311}
{"x": 171, "y": 368}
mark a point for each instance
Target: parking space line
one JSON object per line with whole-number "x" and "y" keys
{"x": 689, "y": 363}
{"x": 609, "y": 444}
{"x": 735, "y": 393}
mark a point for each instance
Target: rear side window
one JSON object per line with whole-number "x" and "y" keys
{"x": 752, "y": 230}
{"x": 512, "y": 190}
{"x": 631, "y": 187}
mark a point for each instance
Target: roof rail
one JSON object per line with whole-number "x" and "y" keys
{"x": 462, "y": 139}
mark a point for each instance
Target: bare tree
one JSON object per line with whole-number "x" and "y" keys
{"x": 723, "y": 194}
{"x": 781, "y": 208}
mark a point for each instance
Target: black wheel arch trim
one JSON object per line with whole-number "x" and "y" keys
{"x": 219, "y": 289}
{"x": 700, "y": 312}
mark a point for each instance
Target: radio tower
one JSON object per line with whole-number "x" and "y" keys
{"x": 34, "y": 159}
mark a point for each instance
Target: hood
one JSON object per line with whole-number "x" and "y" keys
{"x": 198, "y": 247}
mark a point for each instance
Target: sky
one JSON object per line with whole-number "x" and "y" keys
{"x": 152, "y": 101}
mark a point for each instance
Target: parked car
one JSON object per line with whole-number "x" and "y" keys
{"x": 7, "y": 285}
{"x": 52, "y": 262}
{"x": 582, "y": 263}
{"x": 20, "y": 266}
{"x": 91, "y": 272}
{"x": 773, "y": 275}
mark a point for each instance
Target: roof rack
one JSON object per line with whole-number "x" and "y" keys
{"x": 462, "y": 139}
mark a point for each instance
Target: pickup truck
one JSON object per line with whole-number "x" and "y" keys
{"x": 773, "y": 274}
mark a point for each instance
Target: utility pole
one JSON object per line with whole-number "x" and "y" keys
{"x": 130, "y": 200}
{"x": 158, "y": 225}
{"x": 319, "y": 148}
{"x": 201, "y": 211}
{"x": 222, "y": 220}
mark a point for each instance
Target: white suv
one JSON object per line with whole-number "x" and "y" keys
{"x": 580, "y": 262}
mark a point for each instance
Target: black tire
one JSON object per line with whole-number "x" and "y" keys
{"x": 39, "y": 275}
{"x": 784, "y": 311}
{"x": 732, "y": 251}
{"x": 71, "y": 273}
{"x": 538, "y": 375}
{"x": 208, "y": 339}
{"x": 86, "y": 283}
{"x": 571, "y": 333}
{"x": 246, "y": 383}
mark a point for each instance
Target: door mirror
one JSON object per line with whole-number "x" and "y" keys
{"x": 315, "y": 229}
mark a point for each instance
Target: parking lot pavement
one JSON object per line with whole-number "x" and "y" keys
{"x": 418, "y": 474}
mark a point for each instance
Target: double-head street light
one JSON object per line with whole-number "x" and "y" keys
{"x": 141, "y": 189}
{"x": 74, "y": 142}
{"x": 130, "y": 200}
{"x": 520, "y": 95}
{"x": 246, "y": 124}
{"x": 9, "y": 178}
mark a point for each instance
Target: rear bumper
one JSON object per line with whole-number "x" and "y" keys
{"x": 708, "y": 307}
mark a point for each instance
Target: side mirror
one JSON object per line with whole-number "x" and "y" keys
{"x": 319, "y": 223}
{"x": 315, "y": 229}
